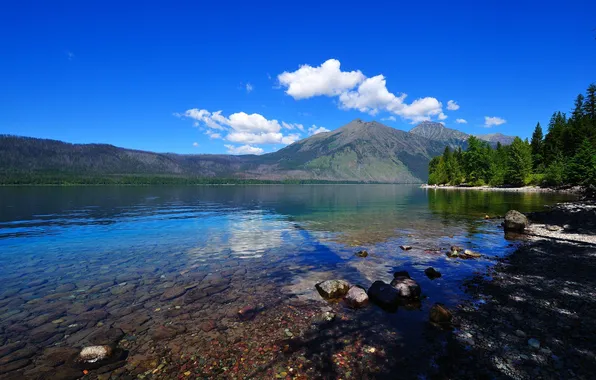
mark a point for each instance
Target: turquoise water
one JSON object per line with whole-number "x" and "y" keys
{"x": 66, "y": 252}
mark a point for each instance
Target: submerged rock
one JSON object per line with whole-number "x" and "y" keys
{"x": 332, "y": 289}
{"x": 94, "y": 354}
{"x": 356, "y": 297}
{"x": 384, "y": 295}
{"x": 406, "y": 287}
{"x": 361, "y": 253}
{"x": 440, "y": 314}
{"x": 432, "y": 273}
{"x": 173, "y": 292}
{"x": 515, "y": 221}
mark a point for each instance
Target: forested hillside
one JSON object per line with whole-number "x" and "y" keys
{"x": 566, "y": 155}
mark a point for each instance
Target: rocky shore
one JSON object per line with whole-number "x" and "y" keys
{"x": 523, "y": 189}
{"x": 534, "y": 314}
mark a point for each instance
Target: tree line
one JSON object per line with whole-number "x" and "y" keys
{"x": 566, "y": 155}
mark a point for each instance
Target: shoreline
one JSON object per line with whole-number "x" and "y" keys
{"x": 523, "y": 189}
{"x": 533, "y": 314}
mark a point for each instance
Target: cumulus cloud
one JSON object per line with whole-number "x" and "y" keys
{"x": 327, "y": 79}
{"x": 249, "y": 87}
{"x": 442, "y": 116}
{"x": 390, "y": 118}
{"x": 356, "y": 91}
{"x": 243, "y": 128}
{"x": 452, "y": 105}
{"x": 461, "y": 121}
{"x": 244, "y": 149}
{"x": 314, "y": 130}
{"x": 195, "y": 144}
{"x": 491, "y": 121}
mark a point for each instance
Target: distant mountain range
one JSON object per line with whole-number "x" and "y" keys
{"x": 358, "y": 151}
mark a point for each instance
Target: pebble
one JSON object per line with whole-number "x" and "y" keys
{"x": 534, "y": 343}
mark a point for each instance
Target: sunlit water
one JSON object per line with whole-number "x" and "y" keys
{"x": 67, "y": 252}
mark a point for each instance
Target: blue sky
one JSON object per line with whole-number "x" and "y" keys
{"x": 150, "y": 77}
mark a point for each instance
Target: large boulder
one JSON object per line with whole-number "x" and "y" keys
{"x": 332, "y": 289}
{"x": 384, "y": 295}
{"x": 356, "y": 297}
{"x": 515, "y": 221}
{"x": 406, "y": 287}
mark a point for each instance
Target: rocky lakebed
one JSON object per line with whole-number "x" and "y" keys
{"x": 532, "y": 315}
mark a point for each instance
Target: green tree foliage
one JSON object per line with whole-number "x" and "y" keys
{"x": 566, "y": 155}
{"x": 519, "y": 163}
{"x": 537, "y": 148}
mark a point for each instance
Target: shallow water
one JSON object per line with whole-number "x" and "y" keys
{"x": 77, "y": 260}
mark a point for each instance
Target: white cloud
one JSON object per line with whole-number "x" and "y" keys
{"x": 213, "y": 135}
{"x": 243, "y": 128}
{"x": 442, "y": 116}
{"x": 327, "y": 79}
{"x": 314, "y": 130}
{"x": 452, "y": 105}
{"x": 244, "y": 149}
{"x": 70, "y": 55}
{"x": 370, "y": 96}
{"x": 292, "y": 126}
{"x": 390, "y": 118}
{"x": 356, "y": 91}
{"x": 195, "y": 144}
{"x": 461, "y": 121}
{"x": 249, "y": 88}
{"x": 491, "y": 121}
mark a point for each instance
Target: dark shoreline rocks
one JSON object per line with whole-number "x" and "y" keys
{"x": 531, "y": 317}
{"x": 515, "y": 221}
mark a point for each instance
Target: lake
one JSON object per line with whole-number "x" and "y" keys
{"x": 218, "y": 281}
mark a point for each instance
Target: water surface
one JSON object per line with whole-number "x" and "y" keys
{"x": 185, "y": 260}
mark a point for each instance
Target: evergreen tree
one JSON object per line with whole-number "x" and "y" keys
{"x": 476, "y": 161}
{"x": 582, "y": 167}
{"x": 554, "y": 175}
{"x": 590, "y": 102}
{"x": 537, "y": 147}
{"x": 519, "y": 162}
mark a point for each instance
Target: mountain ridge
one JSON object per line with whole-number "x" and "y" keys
{"x": 358, "y": 151}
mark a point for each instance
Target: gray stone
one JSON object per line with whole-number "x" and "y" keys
{"x": 515, "y": 221}
{"x": 333, "y": 289}
{"x": 356, "y": 297}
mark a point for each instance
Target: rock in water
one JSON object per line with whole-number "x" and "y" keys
{"x": 405, "y": 247}
{"x": 332, "y": 289}
{"x": 470, "y": 253}
{"x": 440, "y": 314}
{"x": 432, "y": 273}
{"x": 406, "y": 287}
{"x": 515, "y": 221}
{"x": 361, "y": 253}
{"x": 356, "y": 297}
{"x": 401, "y": 273}
{"x": 93, "y": 354}
{"x": 384, "y": 295}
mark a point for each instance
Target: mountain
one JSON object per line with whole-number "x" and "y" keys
{"x": 497, "y": 138}
{"x": 438, "y": 132}
{"x": 358, "y": 151}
